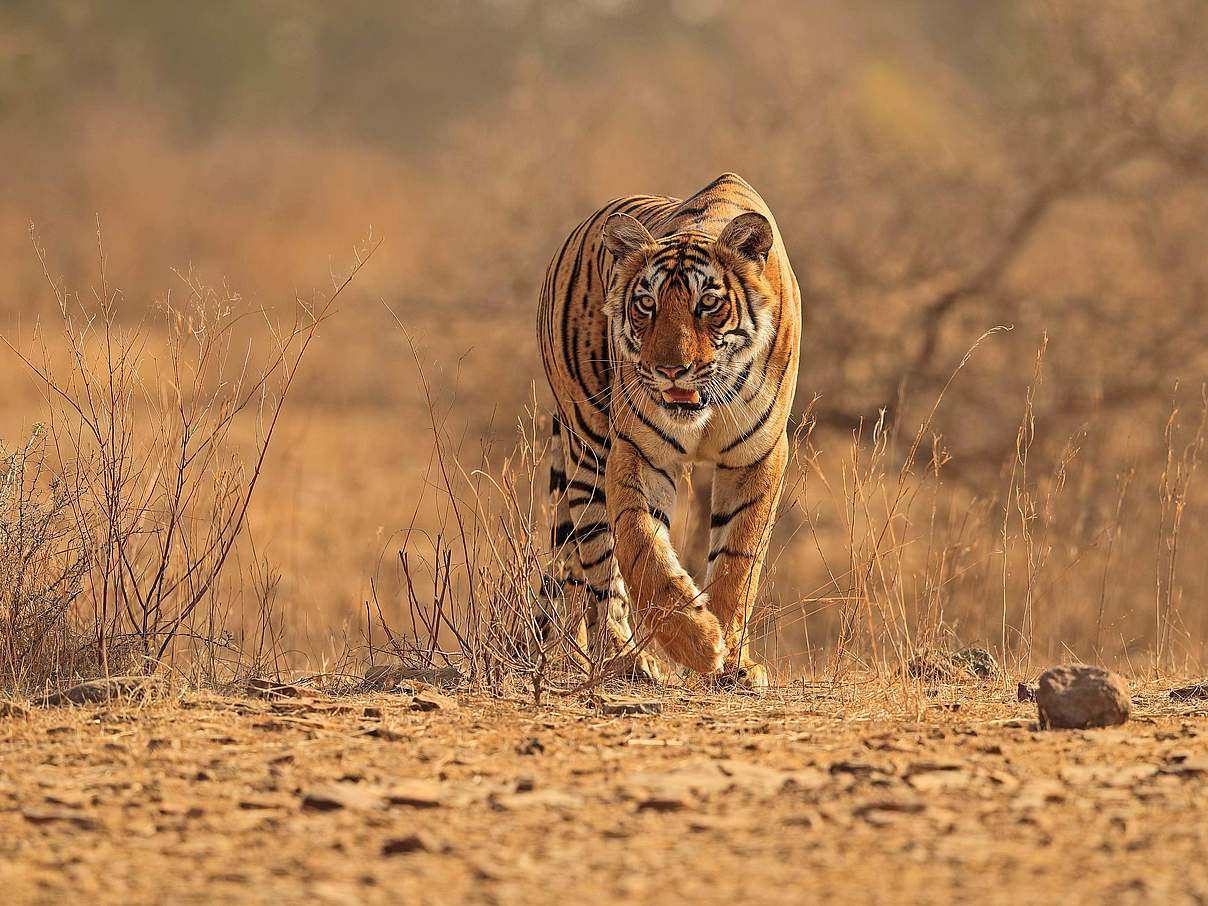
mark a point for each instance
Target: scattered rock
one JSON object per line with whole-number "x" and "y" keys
{"x": 533, "y": 746}
{"x": 99, "y": 690}
{"x": 560, "y": 800}
{"x": 1185, "y": 693}
{"x": 883, "y": 812}
{"x": 859, "y": 768}
{"x": 1075, "y": 696}
{"x": 934, "y": 666}
{"x": 416, "y": 793}
{"x": 411, "y": 843}
{"x": 12, "y": 709}
{"x": 1027, "y": 692}
{"x": 979, "y": 662}
{"x": 689, "y": 784}
{"x": 629, "y": 707}
{"x": 258, "y": 687}
{"x": 1194, "y": 767}
{"x": 333, "y": 796}
{"x": 431, "y": 700}
{"x": 385, "y": 676}
{"x": 54, "y": 815}
{"x": 931, "y": 666}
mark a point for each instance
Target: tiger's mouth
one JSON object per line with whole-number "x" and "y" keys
{"x": 680, "y": 401}
{"x": 681, "y": 396}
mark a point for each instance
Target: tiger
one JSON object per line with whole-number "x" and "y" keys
{"x": 670, "y": 333}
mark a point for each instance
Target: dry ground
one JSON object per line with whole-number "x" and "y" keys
{"x": 840, "y": 794}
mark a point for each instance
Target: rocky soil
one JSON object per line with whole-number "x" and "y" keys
{"x": 860, "y": 793}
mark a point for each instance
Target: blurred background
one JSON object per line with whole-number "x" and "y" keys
{"x": 937, "y": 168}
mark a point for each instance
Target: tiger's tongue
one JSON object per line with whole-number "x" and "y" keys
{"x": 679, "y": 395}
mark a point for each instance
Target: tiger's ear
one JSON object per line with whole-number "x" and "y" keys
{"x": 748, "y": 236}
{"x": 624, "y": 235}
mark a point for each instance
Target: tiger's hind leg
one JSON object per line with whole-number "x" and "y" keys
{"x": 583, "y": 544}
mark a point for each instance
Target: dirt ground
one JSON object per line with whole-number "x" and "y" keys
{"x": 848, "y": 794}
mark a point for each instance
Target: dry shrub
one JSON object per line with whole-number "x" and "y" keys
{"x": 127, "y": 535}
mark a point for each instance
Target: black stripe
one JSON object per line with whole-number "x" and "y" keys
{"x": 746, "y": 435}
{"x": 600, "y": 440}
{"x": 596, "y": 562}
{"x": 666, "y": 438}
{"x": 722, "y": 465}
{"x": 589, "y": 488}
{"x": 621, "y": 435}
{"x": 721, "y": 519}
{"x": 660, "y": 516}
{"x": 585, "y": 533}
{"x": 557, "y": 480}
{"x": 562, "y": 532}
{"x": 729, "y": 553}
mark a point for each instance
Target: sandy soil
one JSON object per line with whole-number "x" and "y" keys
{"x": 827, "y": 795}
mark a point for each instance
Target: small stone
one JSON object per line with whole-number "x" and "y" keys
{"x": 385, "y": 676}
{"x": 630, "y": 707}
{"x": 931, "y": 666}
{"x": 411, "y": 843}
{"x": 664, "y": 803}
{"x": 1185, "y": 693}
{"x": 333, "y": 796}
{"x": 1027, "y": 692}
{"x": 64, "y": 816}
{"x": 98, "y": 690}
{"x": 258, "y": 687}
{"x": 431, "y": 700}
{"x": 979, "y": 662}
{"x": 12, "y": 709}
{"x": 416, "y": 794}
{"x": 531, "y": 747}
{"x": 1077, "y": 697}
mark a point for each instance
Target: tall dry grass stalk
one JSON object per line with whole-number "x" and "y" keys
{"x": 155, "y": 439}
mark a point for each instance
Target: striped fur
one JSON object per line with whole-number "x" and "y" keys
{"x": 670, "y": 331}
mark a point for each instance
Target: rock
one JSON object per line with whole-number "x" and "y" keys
{"x": 629, "y": 707}
{"x": 431, "y": 700}
{"x": 411, "y": 843}
{"x": 1185, "y": 693}
{"x": 63, "y": 816}
{"x": 533, "y": 746}
{"x": 416, "y": 793}
{"x": 12, "y": 709}
{"x": 384, "y": 676}
{"x": 1027, "y": 692}
{"x": 1076, "y": 697}
{"x": 99, "y": 690}
{"x": 934, "y": 666}
{"x": 333, "y": 796}
{"x": 979, "y": 662}
{"x": 258, "y": 687}
{"x": 931, "y": 666}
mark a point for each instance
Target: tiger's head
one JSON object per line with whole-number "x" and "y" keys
{"x": 689, "y": 310}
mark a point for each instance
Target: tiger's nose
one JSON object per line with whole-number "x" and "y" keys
{"x": 672, "y": 372}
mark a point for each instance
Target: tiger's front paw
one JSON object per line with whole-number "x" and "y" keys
{"x": 693, "y": 637}
{"x": 745, "y": 676}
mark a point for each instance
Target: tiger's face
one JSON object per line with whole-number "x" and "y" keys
{"x": 688, "y": 310}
